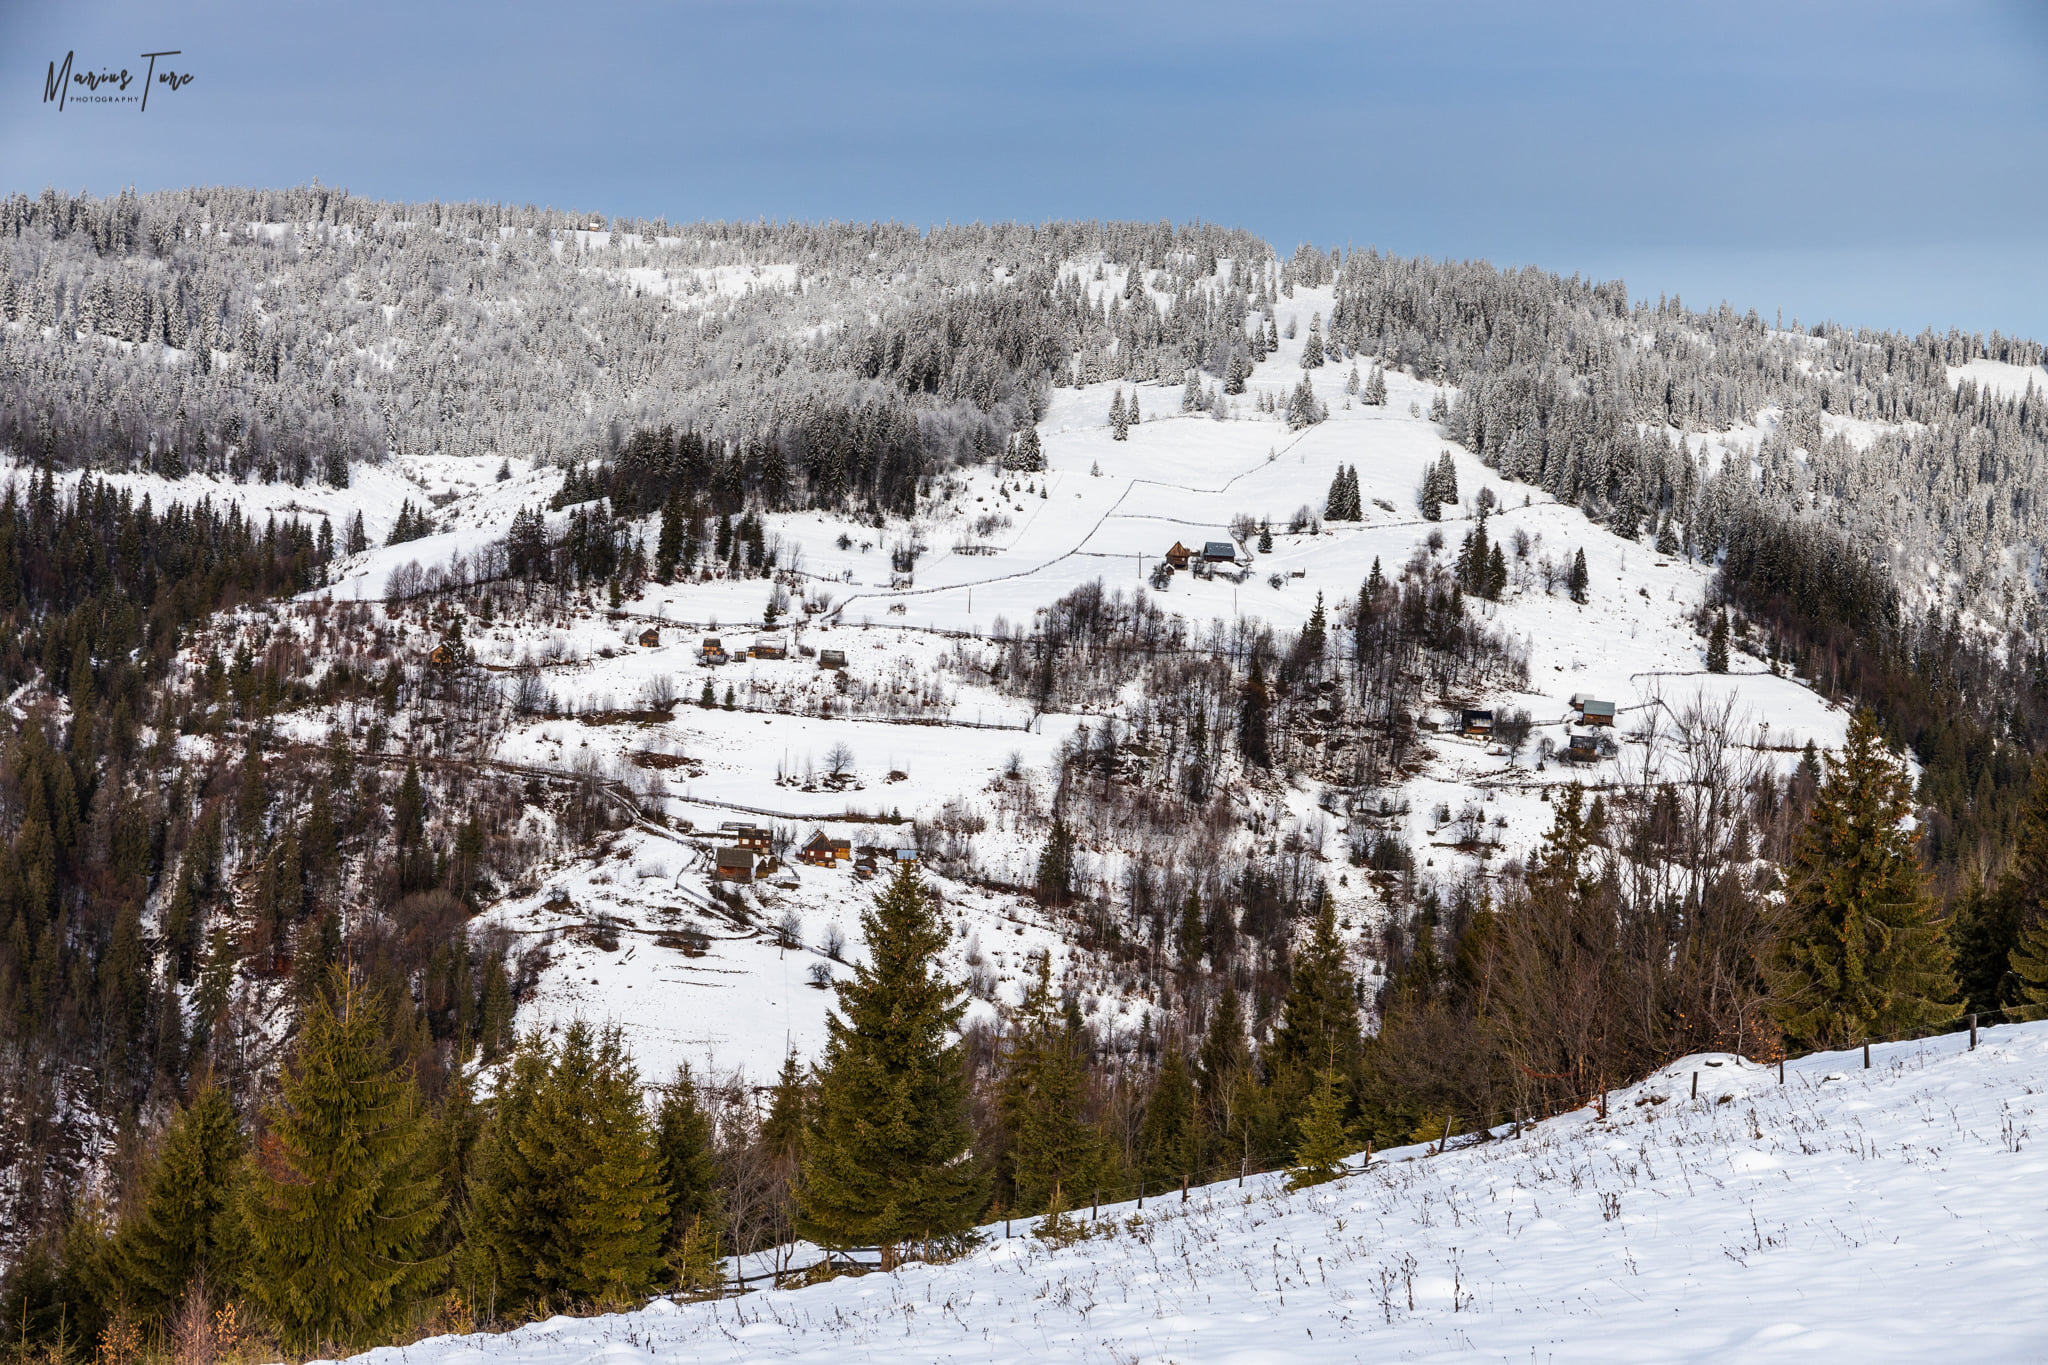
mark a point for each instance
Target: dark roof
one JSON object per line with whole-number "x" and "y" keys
{"x": 1597, "y": 708}
{"x": 735, "y": 857}
{"x": 1219, "y": 549}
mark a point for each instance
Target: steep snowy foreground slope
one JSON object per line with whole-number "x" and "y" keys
{"x": 1845, "y": 1215}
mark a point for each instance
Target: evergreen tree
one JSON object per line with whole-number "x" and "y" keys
{"x": 572, "y": 1205}
{"x": 1375, "y": 393}
{"x": 2021, "y": 912}
{"x": 1055, "y": 1154}
{"x": 682, "y": 1139}
{"x": 1578, "y": 581}
{"x": 1056, "y": 865}
{"x": 342, "y": 1204}
{"x": 1325, "y": 1138}
{"x": 1862, "y": 956}
{"x": 1191, "y": 392}
{"x": 1312, "y": 347}
{"x": 1265, "y": 538}
{"x": 188, "y": 1222}
{"x": 1319, "y": 1022}
{"x": 885, "y": 1159}
{"x": 782, "y": 1132}
{"x": 1119, "y": 424}
{"x": 1251, "y": 719}
{"x": 1170, "y": 1139}
{"x": 1334, "y": 503}
{"x": 1717, "y": 645}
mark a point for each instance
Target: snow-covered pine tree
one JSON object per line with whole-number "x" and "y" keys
{"x": 1375, "y": 394}
{"x": 1312, "y": 347}
{"x": 1578, "y": 581}
{"x": 1717, "y": 644}
{"x": 1119, "y": 424}
{"x": 1191, "y": 399}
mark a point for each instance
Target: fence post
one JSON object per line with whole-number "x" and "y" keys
{"x": 1973, "y": 1033}
{"x": 1006, "y": 1227}
{"x": 1781, "y": 1071}
{"x": 1183, "y": 1188}
{"x": 1141, "y": 1193}
{"x": 1095, "y": 1207}
{"x": 1695, "y": 1085}
{"x": 1866, "y": 1054}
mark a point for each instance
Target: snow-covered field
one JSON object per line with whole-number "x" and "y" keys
{"x": 1893, "y": 1214}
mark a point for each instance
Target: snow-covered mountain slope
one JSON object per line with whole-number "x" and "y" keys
{"x": 692, "y": 984}
{"x": 1845, "y": 1214}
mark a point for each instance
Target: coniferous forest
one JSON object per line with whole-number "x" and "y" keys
{"x": 263, "y": 1087}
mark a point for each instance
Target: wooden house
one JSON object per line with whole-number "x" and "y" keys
{"x": 1478, "y": 723}
{"x": 1582, "y": 749}
{"x": 1219, "y": 552}
{"x": 822, "y": 850}
{"x": 750, "y": 837}
{"x": 443, "y": 656}
{"x": 1596, "y": 712}
{"x": 734, "y": 865}
{"x": 832, "y": 658}
{"x": 712, "y": 651}
{"x": 770, "y": 647}
{"x": 1178, "y": 556}
{"x": 649, "y": 638}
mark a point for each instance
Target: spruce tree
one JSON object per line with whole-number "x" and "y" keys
{"x": 1717, "y": 645}
{"x": 1579, "y": 580}
{"x": 682, "y": 1138}
{"x": 1119, "y": 425}
{"x": 1251, "y": 719}
{"x": 1055, "y": 1153}
{"x": 1325, "y": 1138}
{"x": 188, "y": 1222}
{"x": 343, "y": 1203}
{"x": 1170, "y": 1140}
{"x": 886, "y": 1155}
{"x": 2021, "y": 908}
{"x": 1056, "y": 865}
{"x": 1188, "y": 935}
{"x": 571, "y": 1205}
{"x": 1319, "y": 1022}
{"x": 1861, "y": 957}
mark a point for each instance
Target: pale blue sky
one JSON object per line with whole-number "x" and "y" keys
{"x": 1874, "y": 162}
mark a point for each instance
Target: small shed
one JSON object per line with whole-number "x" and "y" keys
{"x": 822, "y": 850}
{"x": 771, "y": 647}
{"x": 1178, "y": 556}
{"x": 1477, "y": 723}
{"x": 1219, "y": 552}
{"x": 649, "y": 638}
{"x": 734, "y": 865}
{"x": 1596, "y": 712}
{"x": 831, "y": 658}
{"x": 1582, "y": 749}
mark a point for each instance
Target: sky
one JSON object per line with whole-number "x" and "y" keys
{"x": 1875, "y": 163}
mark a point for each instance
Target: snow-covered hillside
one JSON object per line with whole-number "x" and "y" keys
{"x": 1845, "y": 1214}
{"x": 692, "y": 985}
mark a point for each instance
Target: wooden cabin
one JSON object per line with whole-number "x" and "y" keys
{"x": 770, "y": 647}
{"x": 1219, "y": 552}
{"x": 822, "y": 850}
{"x": 734, "y": 865}
{"x": 712, "y": 651}
{"x": 1596, "y": 712}
{"x": 1179, "y": 555}
{"x": 442, "y": 657}
{"x": 1478, "y": 723}
{"x": 831, "y": 658}
{"x": 1582, "y": 749}
{"x": 750, "y": 837}
{"x": 649, "y": 638}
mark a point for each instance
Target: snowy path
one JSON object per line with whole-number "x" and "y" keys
{"x": 1894, "y": 1214}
